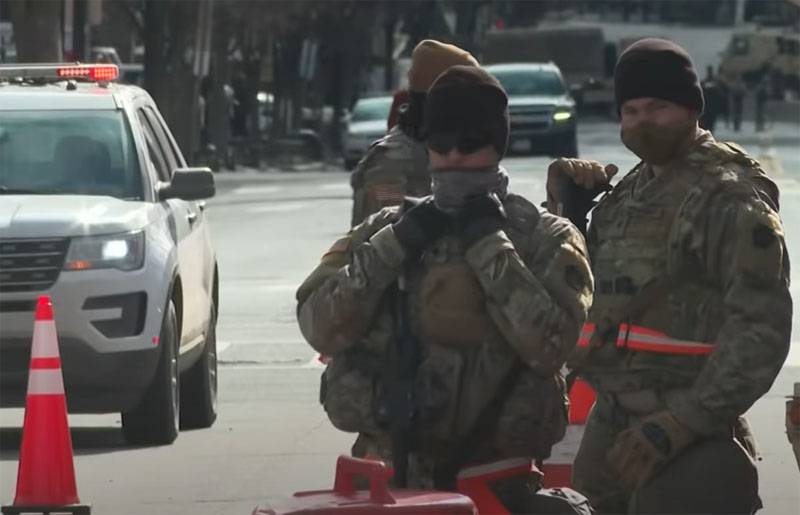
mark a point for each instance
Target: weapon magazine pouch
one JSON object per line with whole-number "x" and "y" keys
{"x": 533, "y": 416}
{"x": 559, "y": 500}
{"x": 348, "y": 393}
{"x": 453, "y": 306}
{"x": 438, "y": 388}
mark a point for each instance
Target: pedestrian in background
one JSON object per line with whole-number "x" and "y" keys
{"x": 712, "y": 93}
{"x": 737, "y": 92}
{"x": 762, "y": 95}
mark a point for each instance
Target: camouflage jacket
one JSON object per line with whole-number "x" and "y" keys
{"x": 519, "y": 295}
{"x": 395, "y": 166}
{"x": 707, "y": 230}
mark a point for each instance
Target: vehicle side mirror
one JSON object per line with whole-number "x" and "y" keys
{"x": 188, "y": 184}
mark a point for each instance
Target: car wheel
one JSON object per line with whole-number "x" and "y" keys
{"x": 155, "y": 420}
{"x": 199, "y": 384}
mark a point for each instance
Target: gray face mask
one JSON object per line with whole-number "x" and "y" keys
{"x": 453, "y": 186}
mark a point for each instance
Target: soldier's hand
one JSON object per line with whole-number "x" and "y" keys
{"x": 480, "y": 216}
{"x": 640, "y": 452}
{"x": 420, "y": 226}
{"x": 588, "y": 175}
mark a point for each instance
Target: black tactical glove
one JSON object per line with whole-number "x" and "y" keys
{"x": 420, "y": 226}
{"x": 480, "y": 217}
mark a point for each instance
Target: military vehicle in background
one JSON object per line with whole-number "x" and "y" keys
{"x": 584, "y": 57}
{"x": 760, "y": 54}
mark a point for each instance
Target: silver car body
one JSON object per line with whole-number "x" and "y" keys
{"x": 106, "y": 368}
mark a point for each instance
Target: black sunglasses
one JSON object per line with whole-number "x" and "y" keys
{"x": 466, "y": 142}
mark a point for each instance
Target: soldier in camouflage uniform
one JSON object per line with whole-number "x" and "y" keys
{"x": 692, "y": 314}
{"x": 496, "y": 293}
{"x": 397, "y": 164}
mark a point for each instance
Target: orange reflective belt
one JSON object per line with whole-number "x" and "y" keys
{"x": 640, "y": 338}
{"x": 644, "y": 339}
{"x": 586, "y": 334}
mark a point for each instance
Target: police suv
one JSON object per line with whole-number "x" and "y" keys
{"x": 99, "y": 210}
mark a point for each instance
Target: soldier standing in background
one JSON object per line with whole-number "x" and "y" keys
{"x": 399, "y": 102}
{"x": 737, "y": 92}
{"x": 692, "y": 314}
{"x": 762, "y": 95}
{"x": 449, "y": 318}
{"x": 713, "y": 95}
{"x": 397, "y": 164}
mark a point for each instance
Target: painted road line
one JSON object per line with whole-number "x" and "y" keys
{"x": 336, "y": 186}
{"x": 256, "y": 190}
{"x": 222, "y": 347}
{"x": 278, "y": 208}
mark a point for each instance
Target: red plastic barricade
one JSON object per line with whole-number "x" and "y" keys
{"x": 345, "y": 499}
{"x": 558, "y": 468}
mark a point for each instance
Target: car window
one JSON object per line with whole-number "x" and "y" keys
{"x": 371, "y": 109}
{"x": 68, "y": 152}
{"x": 530, "y": 82}
{"x": 156, "y": 155}
{"x": 164, "y": 141}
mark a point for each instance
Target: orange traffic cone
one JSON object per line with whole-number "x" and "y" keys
{"x": 46, "y": 474}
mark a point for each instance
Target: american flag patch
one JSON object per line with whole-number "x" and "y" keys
{"x": 387, "y": 194}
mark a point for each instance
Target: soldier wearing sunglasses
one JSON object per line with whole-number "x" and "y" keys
{"x": 471, "y": 298}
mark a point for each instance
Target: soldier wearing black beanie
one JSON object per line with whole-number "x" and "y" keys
{"x": 657, "y": 68}
{"x": 467, "y": 108}
{"x": 696, "y": 219}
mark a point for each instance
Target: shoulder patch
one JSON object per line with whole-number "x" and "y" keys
{"x": 759, "y": 247}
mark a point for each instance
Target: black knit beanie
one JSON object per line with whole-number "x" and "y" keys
{"x": 660, "y": 69}
{"x": 468, "y": 105}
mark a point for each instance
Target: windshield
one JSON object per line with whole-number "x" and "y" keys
{"x": 68, "y": 152}
{"x": 530, "y": 82}
{"x": 371, "y": 109}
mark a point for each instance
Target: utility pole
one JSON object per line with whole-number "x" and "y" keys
{"x": 80, "y": 34}
{"x": 738, "y": 18}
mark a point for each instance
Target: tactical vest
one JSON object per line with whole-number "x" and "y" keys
{"x": 638, "y": 241}
{"x": 464, "y": 364}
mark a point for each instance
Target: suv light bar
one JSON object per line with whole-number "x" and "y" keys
{"x": 60, "y": 71}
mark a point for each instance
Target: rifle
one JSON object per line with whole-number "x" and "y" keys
{"x": 576, "y": 202}
{"x": 399, "y": 376}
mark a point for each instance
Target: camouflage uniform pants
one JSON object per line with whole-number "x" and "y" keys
{"x": 712, "y": 476}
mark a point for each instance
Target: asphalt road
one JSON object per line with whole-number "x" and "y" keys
{"x": 272, "y": 438}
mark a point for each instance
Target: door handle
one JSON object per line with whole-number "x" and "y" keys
{"x": 201, "y": 205}
{"x": 192, "y": 217}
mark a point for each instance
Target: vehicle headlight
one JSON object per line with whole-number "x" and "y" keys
{"x": 121, "y": 251}
{"x": 562, "y": 115}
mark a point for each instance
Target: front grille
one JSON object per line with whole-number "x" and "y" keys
{"x": 530, "y": 118}
{"x": 31, "y": 265}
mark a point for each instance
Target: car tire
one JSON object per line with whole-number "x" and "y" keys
{"x": 199, "y": 384}
{"x": 155, "y": 421}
